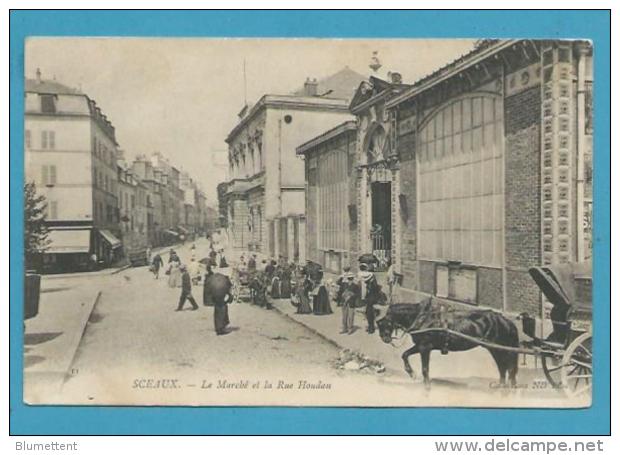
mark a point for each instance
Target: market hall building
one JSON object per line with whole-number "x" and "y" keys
{"x": 468, "y": 177}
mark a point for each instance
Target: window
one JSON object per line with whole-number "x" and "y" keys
{"x": 48, "y": 175}
{"x": 48, "y": 140}
{"x": 48, "y": 104}
{"x": 456, "y": 283}
{"x": 27, "y": 139}
{"x": 52, "y": 210}
{"x": 332, "y": 191}
{"x": 460, "y": 174}
{"x": 133, "y": 201}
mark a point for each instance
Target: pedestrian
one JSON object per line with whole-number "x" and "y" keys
{"x": 217, "y": 292}
{"x": 270, "y": 268}
{"x": 341, "y": 283}
{"x": 156, "y": 264}
{"x": 301, "y": 292}
{"x": 173, "y": 256}
{"x": 349, "y": 301}
{"x": 252, "y": 263}
{"x": 186, "y": 289}
{"x": 223, "y": 263}
{"x": 194, "y": 270}
{"x": 93, "y": 261}
{"x": 174, "y": 277}
{"x": 369, "y": 293}
{"x": 148, "y": 254}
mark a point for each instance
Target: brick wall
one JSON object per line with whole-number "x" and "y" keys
{"x": 406, "y": 149}
{"x": 522, "y": 197}
{"x": 490, "y": 288}
{"x": 352, "y": 202}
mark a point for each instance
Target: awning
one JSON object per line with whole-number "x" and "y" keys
{"x": 68, "y": 241}
{"x": 171, "y": 232}
{"x": 183, "y": 230}
{"x": 110, "y": 238}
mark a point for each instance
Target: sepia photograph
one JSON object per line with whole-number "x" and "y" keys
{"x": 308, "y": 222}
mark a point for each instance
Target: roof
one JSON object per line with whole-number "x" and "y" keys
{"x": 289, "y": 102}
{"x": 49, "y": 87}
{"x": 482, "y": 50}
{"x": 341, "y": 84}
{"x": 349, "y": 125}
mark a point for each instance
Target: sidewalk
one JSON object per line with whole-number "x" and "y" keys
{"x": 51, "y": 340}
{"x": 328, "y": 327}
{"x": 475, "y": 363}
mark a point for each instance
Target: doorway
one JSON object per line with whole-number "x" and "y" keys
{"x": 381, "y": 221}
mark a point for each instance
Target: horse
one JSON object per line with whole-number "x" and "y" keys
{"x": 485, "y": 325}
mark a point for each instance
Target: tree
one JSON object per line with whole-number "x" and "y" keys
{"x": 35, "y": 230}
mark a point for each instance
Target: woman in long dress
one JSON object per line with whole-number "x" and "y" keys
{"x": 174, "y": 279}
{"x": 302, "y": 288}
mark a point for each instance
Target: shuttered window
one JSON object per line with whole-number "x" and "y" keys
{"x": 461, "y": 186}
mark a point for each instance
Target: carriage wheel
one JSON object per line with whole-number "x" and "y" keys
{"x": 552, "y": 367}
{"x": 577, "y": 371}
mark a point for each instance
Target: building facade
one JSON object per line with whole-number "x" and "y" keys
{"x": 133, "y": 210}
{"x": 264, "y": 196}
{"x": 331, "y": 191}
{"x": 70, "y": 154}
{"x": 472, "y": 175}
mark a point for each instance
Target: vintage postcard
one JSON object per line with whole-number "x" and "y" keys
{"x": 308, "y": 222}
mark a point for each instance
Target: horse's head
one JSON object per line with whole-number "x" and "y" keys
{"x": 386, "y": 326}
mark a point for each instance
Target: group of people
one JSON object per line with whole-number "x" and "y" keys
{"x": 354, "y": 291}
{"x": 217, "y": 287}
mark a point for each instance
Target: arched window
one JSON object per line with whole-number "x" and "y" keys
{"x": 461, "y": 182}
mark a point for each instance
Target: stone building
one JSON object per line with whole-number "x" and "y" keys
{"x": 132, "y": 207}
{"x": 263, "y": 200}
{"x": 475, "y": 173}
{"x": 70, "y": 154}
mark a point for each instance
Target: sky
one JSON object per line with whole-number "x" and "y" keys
{"x": 181, "y": 96}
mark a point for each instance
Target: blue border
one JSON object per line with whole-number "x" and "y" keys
{"x": 594, "y": 25}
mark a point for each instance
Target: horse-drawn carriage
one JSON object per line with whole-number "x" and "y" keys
{"x": 566, "y": 352}
{"x": 563, "y": 341}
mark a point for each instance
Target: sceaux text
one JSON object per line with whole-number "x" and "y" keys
{"x": 156, "y": 384}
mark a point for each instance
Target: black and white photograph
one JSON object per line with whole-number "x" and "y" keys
{"x": 308, "y": 222}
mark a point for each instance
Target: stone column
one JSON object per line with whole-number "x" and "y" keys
{"x": 302, "y": 240}
{"x": 290, "y": 237}
{"x": 276, "y": 237}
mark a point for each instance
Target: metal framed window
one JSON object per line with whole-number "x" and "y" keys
{"x": 461, "y": 182}
{"x": 332, "y": 184}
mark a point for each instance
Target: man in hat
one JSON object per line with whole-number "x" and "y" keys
{"x": 186, "y": 289}
{"x": 369, "y": 292}
{"x": 349, "y": 295}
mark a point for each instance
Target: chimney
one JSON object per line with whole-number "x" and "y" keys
{"x": 311, "y": 87}
{"x": 38, "y": 75}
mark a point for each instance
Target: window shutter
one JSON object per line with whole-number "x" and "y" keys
{"x": 44, "y": 175}
{"x": 43, "y": 139}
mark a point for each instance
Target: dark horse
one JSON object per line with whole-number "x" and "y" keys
{"x": 489, "y": 326}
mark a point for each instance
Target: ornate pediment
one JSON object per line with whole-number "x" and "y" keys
{"x": 367, "y": 90}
